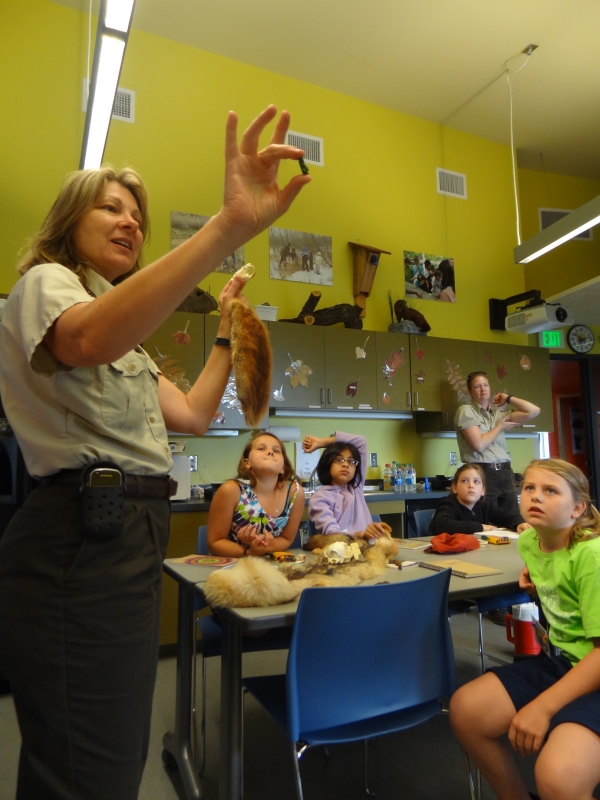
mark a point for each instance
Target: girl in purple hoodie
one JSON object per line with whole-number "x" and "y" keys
{"x": 339, "y": 506}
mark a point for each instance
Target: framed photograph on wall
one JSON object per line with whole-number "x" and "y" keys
{"x": 184, "y": 226}
{"x": 301, "y": 257}
{"x": 429, "y": 277}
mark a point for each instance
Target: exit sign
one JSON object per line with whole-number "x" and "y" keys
{"x": 551, "y": 339}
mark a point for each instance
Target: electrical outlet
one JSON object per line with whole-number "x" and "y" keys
{"x": 452, "y": 458}
{"x": 373, "y": 459}
{"x": 193, "y": 463}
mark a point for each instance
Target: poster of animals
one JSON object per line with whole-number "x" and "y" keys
{"x": 299, "y": 256}
{"x": 184, "y": 226}
{"x": 429, "y": 277}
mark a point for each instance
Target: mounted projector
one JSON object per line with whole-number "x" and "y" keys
{"x": 538, "y": 318}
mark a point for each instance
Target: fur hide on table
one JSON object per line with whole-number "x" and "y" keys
{"x": 255, "y": 582}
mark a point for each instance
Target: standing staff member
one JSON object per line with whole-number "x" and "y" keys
{"x": 80, "y": 602}
{"x": 480, "y": 428}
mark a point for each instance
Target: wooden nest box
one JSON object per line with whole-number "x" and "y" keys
{"x": 366, "y": 261}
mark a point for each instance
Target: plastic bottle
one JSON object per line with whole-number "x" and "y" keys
{"x": 387, "y": 473}
{"x": 393, "y": 476}
{"x": 411, "y": 479}
{"x": 399, "y": 479}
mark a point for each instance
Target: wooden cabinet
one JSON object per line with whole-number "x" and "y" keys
{"x": 292, "y": 344}
{"x": 394, "y": 391}
{"x": 167, "y": 347}
{"x": 457, "y": 357}
{"x": 350, "y": 369}
{"x": 425, "y": 377}
{"x": 226, "y": 417}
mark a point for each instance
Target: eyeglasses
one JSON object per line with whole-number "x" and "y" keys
{"x": 352, "y": 462}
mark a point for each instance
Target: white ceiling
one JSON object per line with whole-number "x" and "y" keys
{"x": 426, "y": 58}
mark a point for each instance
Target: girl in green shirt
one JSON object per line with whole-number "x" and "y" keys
{"x": 549, "y": 704}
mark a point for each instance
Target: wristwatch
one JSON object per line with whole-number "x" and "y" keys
{"x": 508, "y": 398}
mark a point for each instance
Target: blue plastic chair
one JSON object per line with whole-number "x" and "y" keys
{"x": 422, "y": 520}
{"x": 396, "y": 634}
{"x": 211, "y": 634}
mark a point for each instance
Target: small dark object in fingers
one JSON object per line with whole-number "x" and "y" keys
{"x": 303, "y": 166}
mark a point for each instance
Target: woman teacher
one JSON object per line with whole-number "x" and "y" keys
{"x": 480, "y": 427}
{"x": 80, "y": 594}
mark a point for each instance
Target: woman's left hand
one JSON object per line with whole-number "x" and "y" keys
{"x": 252, "y": 199}
{"x": 528, "y": 729}
{"x": 232, "y": 289}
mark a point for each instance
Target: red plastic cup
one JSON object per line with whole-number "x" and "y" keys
{"x": 522, "y": 634}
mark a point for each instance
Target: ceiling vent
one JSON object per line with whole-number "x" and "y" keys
{"x": 312, "y": 146}
{"x": 453, "y": 184}
{"x": 123, "y": 107}
{"x": 548, "y": 216}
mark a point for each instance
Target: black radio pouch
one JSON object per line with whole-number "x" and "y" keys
{"x": 102, "y": 507}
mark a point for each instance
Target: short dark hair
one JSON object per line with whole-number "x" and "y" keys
{"x": 472, "y": 375}
{"x": 333, "y": 451}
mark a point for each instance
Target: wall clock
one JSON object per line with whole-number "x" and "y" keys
{"x": 580, "y": 339}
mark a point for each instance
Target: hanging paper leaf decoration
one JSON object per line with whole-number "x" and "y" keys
{"x": 420, "y": 354}
{"x": 183, "y": 337}
{"x": 168, "y": 366}
{"x": 298, "y": 373}
{"x": 525, "y": 362}
{"x": 386, "y": 399}
{"x": 394, "y": 362}
{"x": 488, "y": 358}
{"x": 501, "y": 371}
{"x": 457, "y": 382}
{"x": 219, "y": 418}
{"x": 360, "y": 351}
{"x": 351, "y": 389}
{"x": 230, "y": 397}
{"x": 278, "y": 395}
{"x": 420, "y": 376}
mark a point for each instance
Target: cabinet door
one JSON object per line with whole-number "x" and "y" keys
{"x": 226, "y": 417}
{"x": 425, "y": 373}
{"x": 458, "y": 357}
{"x": 292, "y": 343}
{"x": 350, "y": 366}
{"x": 181, "y": 363}
{"x": 393, "y": 372}
{"x": 523, "y": 372}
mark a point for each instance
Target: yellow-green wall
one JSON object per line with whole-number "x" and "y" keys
{"x": 377, "y": 187}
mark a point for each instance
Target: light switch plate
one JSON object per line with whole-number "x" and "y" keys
{"x": 373, "y": 459}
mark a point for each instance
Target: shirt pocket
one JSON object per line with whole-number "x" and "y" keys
{"x": 122, "y": 391}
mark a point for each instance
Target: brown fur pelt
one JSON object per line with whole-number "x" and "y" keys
{"x": 254, "y": 582}
{"x": 252, "y": 361}
{"x": 319, "y": 541}
{"x": 404, "y": 311}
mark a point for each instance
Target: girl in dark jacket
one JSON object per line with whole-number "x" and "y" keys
{"x": 465, "y": 509}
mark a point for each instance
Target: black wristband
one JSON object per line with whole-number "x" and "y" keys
{"x": 508, "y": 398}
{"x": 222, "y": 342}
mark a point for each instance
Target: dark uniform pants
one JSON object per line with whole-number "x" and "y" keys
{"x": 500, "y": 487}
{"x": 79, "y": 628}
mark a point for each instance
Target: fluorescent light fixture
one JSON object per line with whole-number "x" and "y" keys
{"x": 118, "y": 14}
{"x": 114, "y": 21}
{"x": 561, "y": 231}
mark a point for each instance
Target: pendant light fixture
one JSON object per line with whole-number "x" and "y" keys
{"x": 114, "y": 23}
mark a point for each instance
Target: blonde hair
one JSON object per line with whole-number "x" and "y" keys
{"x": 55, "y": 243}
{"x": 246, "y": 474}
{"x": 587, "y": 525}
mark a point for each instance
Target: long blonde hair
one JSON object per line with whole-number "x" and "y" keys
{"x": 587, "y": 525}
{"x": 54, "y": 243}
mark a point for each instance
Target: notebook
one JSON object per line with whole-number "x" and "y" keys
{"x": 412, "y": 544}
{"x": 462, "y": 569}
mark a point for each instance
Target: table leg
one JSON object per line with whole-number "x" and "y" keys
{"x": 230, "y": 774}
{"x": 178, "y": 744}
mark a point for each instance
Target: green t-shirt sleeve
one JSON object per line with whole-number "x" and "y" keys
{"x": 587, "y": 578}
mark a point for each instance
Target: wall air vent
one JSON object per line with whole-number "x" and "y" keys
{"x": 548, "y": 216}
{"x": 312, "y": 146}
{"x": 453, "y": 184}
{"x": 123, "y": 107}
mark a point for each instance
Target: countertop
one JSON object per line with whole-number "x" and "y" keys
{"x": 370, "y": 497}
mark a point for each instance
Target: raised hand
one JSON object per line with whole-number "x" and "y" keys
{"x": 253, "y": 199}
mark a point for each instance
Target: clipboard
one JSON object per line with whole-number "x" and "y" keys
{"x": 462, "y": 569}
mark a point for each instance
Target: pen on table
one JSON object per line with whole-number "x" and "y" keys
{"x": 394, "y": 566}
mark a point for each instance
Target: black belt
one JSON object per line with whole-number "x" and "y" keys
{"x": 149, "y": 486}
{"x": 497, "y": 465}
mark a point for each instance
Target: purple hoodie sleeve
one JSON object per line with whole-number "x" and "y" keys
{"x": 323, "y": 510}
{"x": 361, "y": 445}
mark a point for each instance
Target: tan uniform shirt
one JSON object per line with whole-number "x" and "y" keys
{"x": 64, "y": 417}
{"x": 468, "y": 416}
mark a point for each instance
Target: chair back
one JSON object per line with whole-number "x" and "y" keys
{"x": 359, "y": 652}
{"x": 202, "y": 543}
{"x": 375, "y": 517}
{"x": 422, "y": 520}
